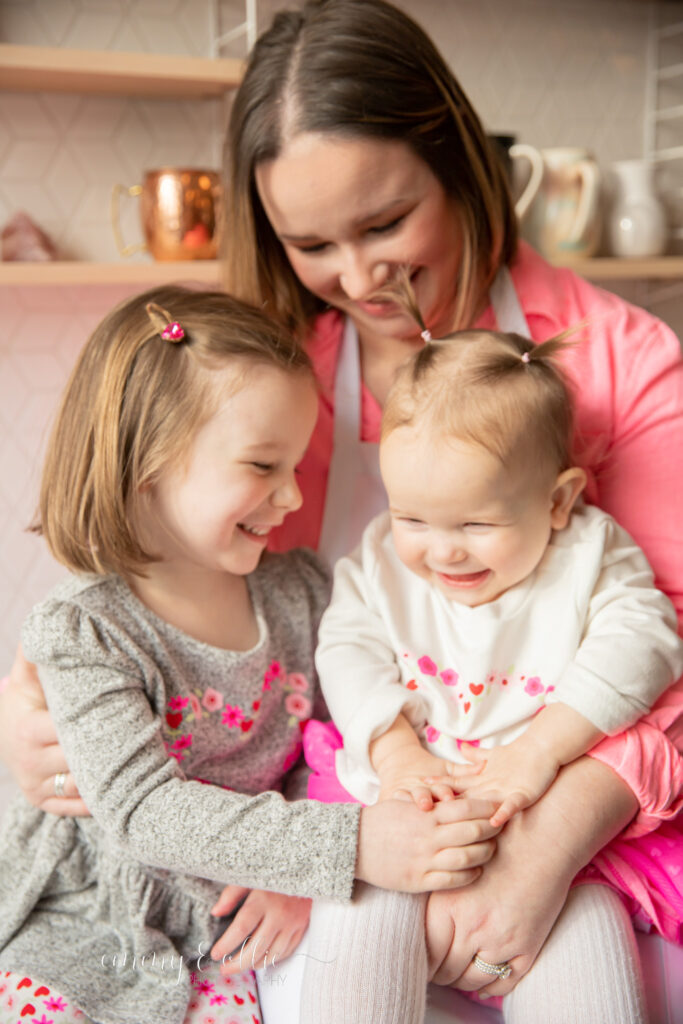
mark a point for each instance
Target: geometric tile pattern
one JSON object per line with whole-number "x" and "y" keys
{"x": 551, "y": 72}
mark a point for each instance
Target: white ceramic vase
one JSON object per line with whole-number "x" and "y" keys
{"x": 559, "y": 208}
{"x": 637, "y": 224}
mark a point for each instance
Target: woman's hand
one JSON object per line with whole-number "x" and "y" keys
{"x": 401, "y": 847}
{"x": 504, "y": 916}
{"x": 29, "y": 743}
{"x": 507, "y": 913}
{"x": 266, "y": 929}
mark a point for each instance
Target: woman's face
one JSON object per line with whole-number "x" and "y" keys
{"x": 349, "y": 212}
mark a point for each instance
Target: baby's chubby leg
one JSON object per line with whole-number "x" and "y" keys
{"x": 588, "y": 970}
{"x": 366, "y": 961}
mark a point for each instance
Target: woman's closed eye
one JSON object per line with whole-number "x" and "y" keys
{"x": 313, "y": 248}
{"x": 381, "y": 229}
{"x": 263, "y": 467}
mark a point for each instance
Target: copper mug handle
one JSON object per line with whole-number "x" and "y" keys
{"x": 116, "y": 193}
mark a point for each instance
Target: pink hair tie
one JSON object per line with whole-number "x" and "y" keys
{"x": 526, "y": 357}
{"x": 173, "y": 332}
{"x": 426, "y": 335}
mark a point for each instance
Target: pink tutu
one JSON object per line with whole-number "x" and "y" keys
{"x": 646, "y": 871}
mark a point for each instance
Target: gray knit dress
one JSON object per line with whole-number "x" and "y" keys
{"x": 103, "y": 908}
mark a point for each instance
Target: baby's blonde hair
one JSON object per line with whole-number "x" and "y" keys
{"x": 133, "y": 406}
{"x": 492, "y": 389}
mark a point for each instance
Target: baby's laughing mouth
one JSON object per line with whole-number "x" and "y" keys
{"x": 464, "y": 580}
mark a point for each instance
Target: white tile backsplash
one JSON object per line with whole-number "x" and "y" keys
{"x": 550, "y": 71}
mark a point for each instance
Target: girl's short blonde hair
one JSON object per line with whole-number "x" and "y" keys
{"x": 132, "y": 407}
{"x": 495, "y": 390}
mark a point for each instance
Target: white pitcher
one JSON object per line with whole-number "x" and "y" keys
{"x": 559, "y": 208}
{"x": 637, "y": 223}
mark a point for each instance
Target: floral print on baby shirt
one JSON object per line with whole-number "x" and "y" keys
{"x": 425, "y": 673}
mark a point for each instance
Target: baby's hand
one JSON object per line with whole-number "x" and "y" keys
{"x": 267, "y": 928}
{"x": 516, "y": 774}
{"x": 403, "y": 776}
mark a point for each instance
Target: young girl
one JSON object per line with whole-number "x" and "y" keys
{"x": 485, "y": 608}
{"x": 178, "y": 667}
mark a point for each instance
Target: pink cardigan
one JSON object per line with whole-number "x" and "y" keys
{"x": 627, "y": 373}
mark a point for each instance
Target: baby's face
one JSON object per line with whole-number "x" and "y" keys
{"x": 460, "y": 519}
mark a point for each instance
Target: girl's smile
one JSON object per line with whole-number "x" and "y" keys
{"x": 214, "y": 513}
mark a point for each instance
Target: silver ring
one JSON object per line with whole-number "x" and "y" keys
{"x": 60, "y": 779}
{"x": 501, "y": 971}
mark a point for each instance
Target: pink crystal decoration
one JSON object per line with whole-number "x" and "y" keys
{"x": 173, "y": 332}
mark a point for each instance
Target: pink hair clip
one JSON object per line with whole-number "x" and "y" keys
{"x": 173, "y": 332}
{"x": 426, "y": 335}
{"x": 526, "y": 357}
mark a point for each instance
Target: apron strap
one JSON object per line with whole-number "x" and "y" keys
{"x": 355, "y": 492}
{"x": 509, "y": 313}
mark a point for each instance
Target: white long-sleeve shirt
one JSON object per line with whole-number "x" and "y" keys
{"x": 587, "y": 627}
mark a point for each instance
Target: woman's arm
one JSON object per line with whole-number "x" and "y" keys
{"x": 639, "y": 483}
{"x": 29, "y": 745}
{"x": 508, "y": 912}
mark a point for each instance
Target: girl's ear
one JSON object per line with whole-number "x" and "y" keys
{"x": 567, "y": 489}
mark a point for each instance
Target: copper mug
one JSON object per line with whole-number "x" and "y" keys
{"x": 179, "y": 211}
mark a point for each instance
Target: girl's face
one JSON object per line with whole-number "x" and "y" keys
{"x": 464, "y": 523}
{"x": 215, "y": 510}
{"x": 349, "y": 212}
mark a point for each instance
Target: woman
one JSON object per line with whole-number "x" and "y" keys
{"x": 353, "y": 151}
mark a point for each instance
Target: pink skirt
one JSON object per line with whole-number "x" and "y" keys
{"x": 646, "y": 871}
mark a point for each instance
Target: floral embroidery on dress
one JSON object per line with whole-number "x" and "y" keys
{"x": 182, "y": 711}
{"x": 212, "y": 700}
{"x": 232, "y": 715}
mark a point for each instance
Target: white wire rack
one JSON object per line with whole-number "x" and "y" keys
{"x": 663, "y": 126}
{"x": 219, "y": 39}
{"x": 247, "y": 28}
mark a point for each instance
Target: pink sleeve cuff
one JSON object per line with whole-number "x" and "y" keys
{"x": 648, "y": 757}
{"x": 651, "y": 765}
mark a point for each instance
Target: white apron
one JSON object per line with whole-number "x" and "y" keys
{"x": 355, "y": 492}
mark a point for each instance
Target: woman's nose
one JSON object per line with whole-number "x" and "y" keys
{"x": 361, "y": 276}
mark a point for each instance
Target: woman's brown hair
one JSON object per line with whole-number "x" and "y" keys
{"x": 361, "y": 69}
{"x": 133, "y": 405}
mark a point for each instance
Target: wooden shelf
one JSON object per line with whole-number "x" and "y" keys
{"x": 46, "y": 68}
{"x": 75, "y": 273}
{"x": 603, "y": 268}
{"x": 615, "y": 268}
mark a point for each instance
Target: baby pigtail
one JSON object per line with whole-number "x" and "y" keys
{"x": 400, "y": 291}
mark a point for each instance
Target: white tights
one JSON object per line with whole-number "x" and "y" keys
{"x": 588, "y": 971}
